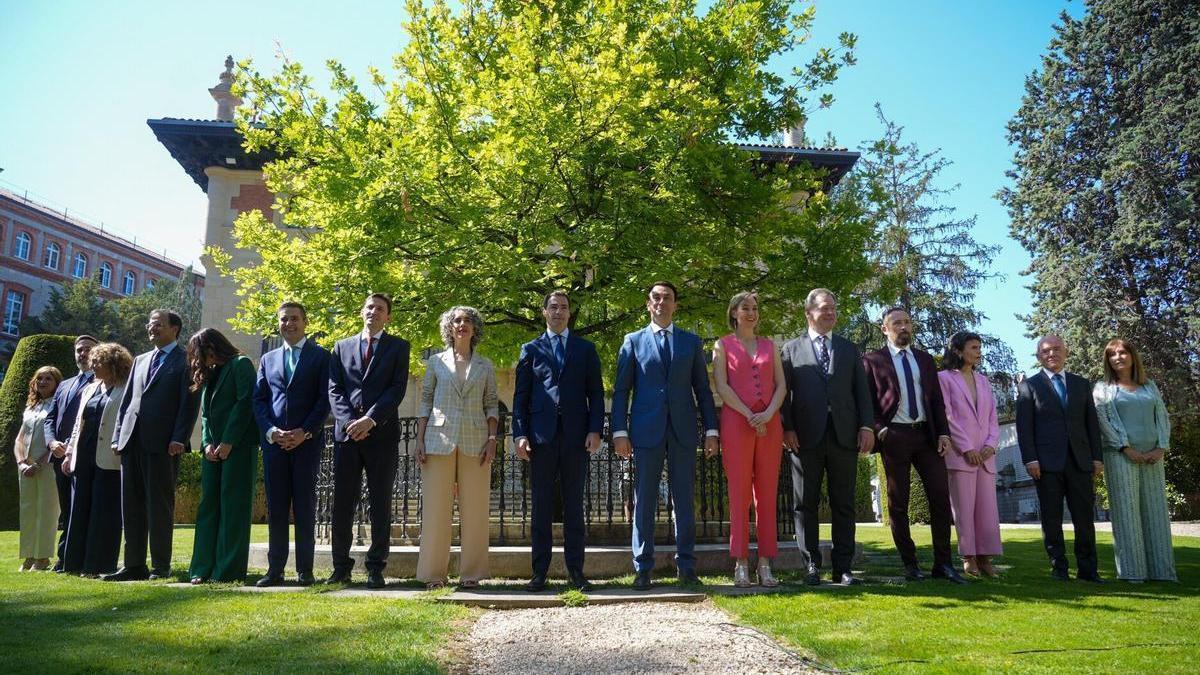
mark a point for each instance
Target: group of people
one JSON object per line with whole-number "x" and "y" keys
{"x": 102, "y": 448}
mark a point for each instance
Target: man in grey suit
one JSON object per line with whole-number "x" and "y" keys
{"x": 827, "y": 416}
{"x": 153, "y": 427}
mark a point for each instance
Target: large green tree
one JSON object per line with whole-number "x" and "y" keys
{"x": 522, "y": 146}
{"x": 1105, "y": 195}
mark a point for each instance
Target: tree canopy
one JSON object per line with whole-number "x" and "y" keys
{"x": 519, "y": 147}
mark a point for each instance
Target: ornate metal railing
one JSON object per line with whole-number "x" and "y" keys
{"x": 608, "y": 496}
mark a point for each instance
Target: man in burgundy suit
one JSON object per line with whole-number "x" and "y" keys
{"x": 911, "y": 427}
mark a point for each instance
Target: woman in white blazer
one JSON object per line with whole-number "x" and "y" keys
{"x": 94, "y": 525}
{"x": 456, "y": 443}
{"x": 35, "y": 477}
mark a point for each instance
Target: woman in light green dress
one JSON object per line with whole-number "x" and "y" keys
{"x": 1136, "y": 434}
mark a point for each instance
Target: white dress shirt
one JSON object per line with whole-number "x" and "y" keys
{"x": 902, "y": 416}
{"x": 816, "y": 346}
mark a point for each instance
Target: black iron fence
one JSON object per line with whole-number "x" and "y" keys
{"x": 608, "y": 496}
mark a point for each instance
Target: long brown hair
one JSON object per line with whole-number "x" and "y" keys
{"x": 34, "y": 399}
{"x": 1137, "y": 373}
{"x": 208, "y": 342}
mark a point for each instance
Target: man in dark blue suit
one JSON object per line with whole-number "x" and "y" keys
{"x": 154, "y": 426}
{"x": 291, "y": 402}
{"x": 558, "y": 414}
{"x": 368, "y": 374}
{"x": 1059, "y": 435}
{"x": 663, "y": 369}
{"x": 59, "y": 422}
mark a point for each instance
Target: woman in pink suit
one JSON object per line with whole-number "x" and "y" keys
{"x": 971, "y": 411}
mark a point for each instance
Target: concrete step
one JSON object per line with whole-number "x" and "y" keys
{"x": 601, "y": 562}
{"x": 514, "y": 532}
{"x": 508, "y": 599}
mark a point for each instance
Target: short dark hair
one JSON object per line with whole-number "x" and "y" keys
{"x": 84, "y": 337}
{"x": 894, "y": 308}
{"x": 173, "y": 320}
{"x": 664, "y": 284}
{"x": 290, "y": 304}
{"x": 952, "y": 358}
{"x": 556, "y": 292}
{"x": 387, "y": 299}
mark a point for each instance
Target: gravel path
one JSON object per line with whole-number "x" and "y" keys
{"x": 642, "y": 638}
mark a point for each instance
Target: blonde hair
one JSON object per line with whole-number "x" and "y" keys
{"x": 34, "y": 399}
{"x": 114, "y": 357}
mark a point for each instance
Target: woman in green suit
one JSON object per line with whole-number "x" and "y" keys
{"x": 229, "y": 436}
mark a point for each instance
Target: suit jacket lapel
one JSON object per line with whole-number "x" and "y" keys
{"x": 447, "y": 359}
{"x": 890, "y": 372}
{"x": 220, "y": 378}
{"x": 301, "y": 361}
{"x": 547, "y": 346}
{"x": 150, "y": 362}
{"x": 356, "y": 356}
{"x": 381, "y": 346}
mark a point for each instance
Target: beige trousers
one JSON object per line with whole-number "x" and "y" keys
{"x": 439, "y": 475}
{"x": 39, "y": 513}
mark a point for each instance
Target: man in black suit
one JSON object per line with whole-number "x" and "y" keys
{"x": 826, "y": 418}
{"x": 558, "y": 414}
{"x": 59, "y": 422}
{"x": 153, "y": 428}
{"x": 1059, "y": 436}
{"x": 368, "y": 374}
{"x": 911, "y": 425}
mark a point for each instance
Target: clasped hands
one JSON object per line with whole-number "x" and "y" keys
{"x": 978, "y": 457}
{"x": 360, "y": 428}
{"x": 1136, "y": 457}
{"x": 217, "y": 453}
{"x": 288, "y": 440}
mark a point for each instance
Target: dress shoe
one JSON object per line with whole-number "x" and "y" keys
{"x": 1091, "y": 578}
{"x": 155, "y": 575}
{"x": 196, "y": 581}
{"x": 985, "y": 567}
{"x": 812, "y": 576}
{"x": 305, "y": 579}
{"x": 58, "y": 567}
{"x": 271, "y": 579}
{"x": 536, "y": 583}
{"x": 1059, "y": 574}
{"x": 845, "y": 579}
{"x": 641, "y": 581}
{"x": 741, "y": 574}
{"x": 913, "y": 573}
{"x": 689, "y": 578}
{"x": 970, "y": 566}
{"x": 41, "y": 565}
{"x": 128, "y": 574}
{"x": 339, "y": 577}
{"x": 375, "y": 579}
{"x": 579, "y": 582}
{"x": 765, "y": 578}
{"x": 948, "y": 573}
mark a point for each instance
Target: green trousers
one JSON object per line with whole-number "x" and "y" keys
{"x": 223, "y": 518}
{"x": 1137, "y": 497}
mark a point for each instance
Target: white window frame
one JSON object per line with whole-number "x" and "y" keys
{"x": 105, "y": 275}
{"x": 53, "y": 256}
{"x": 129, "y": 285}
{"x": 80, "y": 259}
{"x": 14, "y": 308}
{"x": 22, "y": 244}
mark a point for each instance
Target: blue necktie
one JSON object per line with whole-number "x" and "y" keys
{"x": 909, "y": 386}
{"x": 1060, "y": 388}
{"x": 664, "y": 348}
{"x": 560, "y": 352}
{"x": 155, "y": 363}
{"x": 289, "y": 363}
{"x": 80, "y": 382}
{"x": 823, "y": 354}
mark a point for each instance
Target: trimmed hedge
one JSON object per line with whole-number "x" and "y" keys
{"x": 32, "y": 353}
{"x": 187, "y": 489}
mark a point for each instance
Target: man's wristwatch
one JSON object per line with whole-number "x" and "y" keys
{"x": 308, "y": 435}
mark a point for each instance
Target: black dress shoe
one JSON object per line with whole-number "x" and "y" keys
{"x": 375, "y": 579}
{"x": 844, "y": 579}
{"x": 948, "y": 573}
{"x": 305, "y": 579}
{"x": 1059, "y": 574}
{"x": 580, "y": 582}
{"x": 689, "y": 578}
{"x": 1091, "y": 578}
{"x": 128, "y": 574}
{"x": 339, "y": 577}
{"x": 271, "y": 579}
{"x": 155, "y": 575}
{"x": 641, "y": 582}
{"x": 812, "y": 576}
{"x": 536, "y": 583}
{"x": 913, "y": 573}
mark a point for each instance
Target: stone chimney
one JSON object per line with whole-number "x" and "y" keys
{"x": 226, "y": 101}
{"x": 794, "y": 137}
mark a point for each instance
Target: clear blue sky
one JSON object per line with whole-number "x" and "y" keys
{"x": 81, "y": 78}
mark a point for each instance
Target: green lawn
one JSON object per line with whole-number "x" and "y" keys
{"x": 59, "y": 624}
{"x": 1024, "y": 622}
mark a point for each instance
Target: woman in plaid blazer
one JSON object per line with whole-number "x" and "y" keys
{"x": 456, "y": 442}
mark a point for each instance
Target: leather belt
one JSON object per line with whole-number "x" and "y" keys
{"x": 910, "y": 425}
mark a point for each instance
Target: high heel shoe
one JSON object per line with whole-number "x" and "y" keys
{"x": 765, "y": 578}
{"x": 985, "y": 566}
{"x": 26, "y": 565}
{"x": 741, "y": 574}
{"x": 969, "y": 566}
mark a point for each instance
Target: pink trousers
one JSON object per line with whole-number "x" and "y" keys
{"x": 976, "y": 516}
{"x": 752, "y": 470}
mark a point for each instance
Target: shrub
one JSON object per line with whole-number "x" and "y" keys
{"x": 32, "y": 353}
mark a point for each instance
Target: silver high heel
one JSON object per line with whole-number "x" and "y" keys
{"x": 765, "y": 578}
{"x": 741, "y": 574}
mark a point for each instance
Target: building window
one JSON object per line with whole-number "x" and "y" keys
{"x": 130, "y": 283}
{"x": 21, "y": 249}
{"x": 52, "y": 254}
{"x": 149, "y": 284}
{"x": 14, "y": 307}
{"x": 80, "y": 269}
{"x": 105, "y": 275}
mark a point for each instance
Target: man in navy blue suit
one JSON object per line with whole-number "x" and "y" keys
{"x": 59, "y": 422}
{"x": 291, "y": 402}
{"x": 664, "y": 370}
{"x": 368, "y": 374}
{"x": 558, "y": 414}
